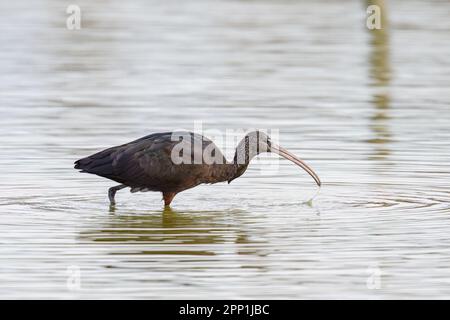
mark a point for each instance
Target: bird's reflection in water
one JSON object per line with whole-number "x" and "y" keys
{"x": 170, "y": 232}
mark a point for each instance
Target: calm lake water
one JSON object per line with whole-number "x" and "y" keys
{"x": 369, "y": 111}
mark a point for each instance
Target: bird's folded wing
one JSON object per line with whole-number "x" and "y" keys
{"x": 153, "y": 164}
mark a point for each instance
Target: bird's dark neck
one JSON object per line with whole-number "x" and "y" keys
{"x": 236, "y": 170}
{"x": 241, "y": 160}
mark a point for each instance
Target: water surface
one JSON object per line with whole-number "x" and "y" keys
{"x": 369, "y": 111}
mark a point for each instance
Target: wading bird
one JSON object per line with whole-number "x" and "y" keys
{"x": 152, "y": 163}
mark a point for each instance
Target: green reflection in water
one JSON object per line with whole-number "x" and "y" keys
{"x": 380, "y": 73}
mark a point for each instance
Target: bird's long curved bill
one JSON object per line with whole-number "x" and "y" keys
{"x": 291, "y": 157}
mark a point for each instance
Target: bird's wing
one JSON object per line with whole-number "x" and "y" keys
{"x": 156, "y": 162}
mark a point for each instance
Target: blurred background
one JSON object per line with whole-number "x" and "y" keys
{"x": 367, "y": 109}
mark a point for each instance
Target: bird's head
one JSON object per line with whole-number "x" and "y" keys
{"x": 257, "y": 142}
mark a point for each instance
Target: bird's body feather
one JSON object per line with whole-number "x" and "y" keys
{"x": 146, "y": 164}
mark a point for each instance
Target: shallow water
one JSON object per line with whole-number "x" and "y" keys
{"x": 367, "y": 110}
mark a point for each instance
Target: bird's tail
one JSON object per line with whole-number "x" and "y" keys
{"x": 99, "y": 163}
{"x": 82, "y": 163}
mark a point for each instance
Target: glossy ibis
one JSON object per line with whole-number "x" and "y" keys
{"x": 152, "y": 163}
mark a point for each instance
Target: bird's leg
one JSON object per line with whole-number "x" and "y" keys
{"x": 168, "y": 197}
{"x": 112, "y": 192}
